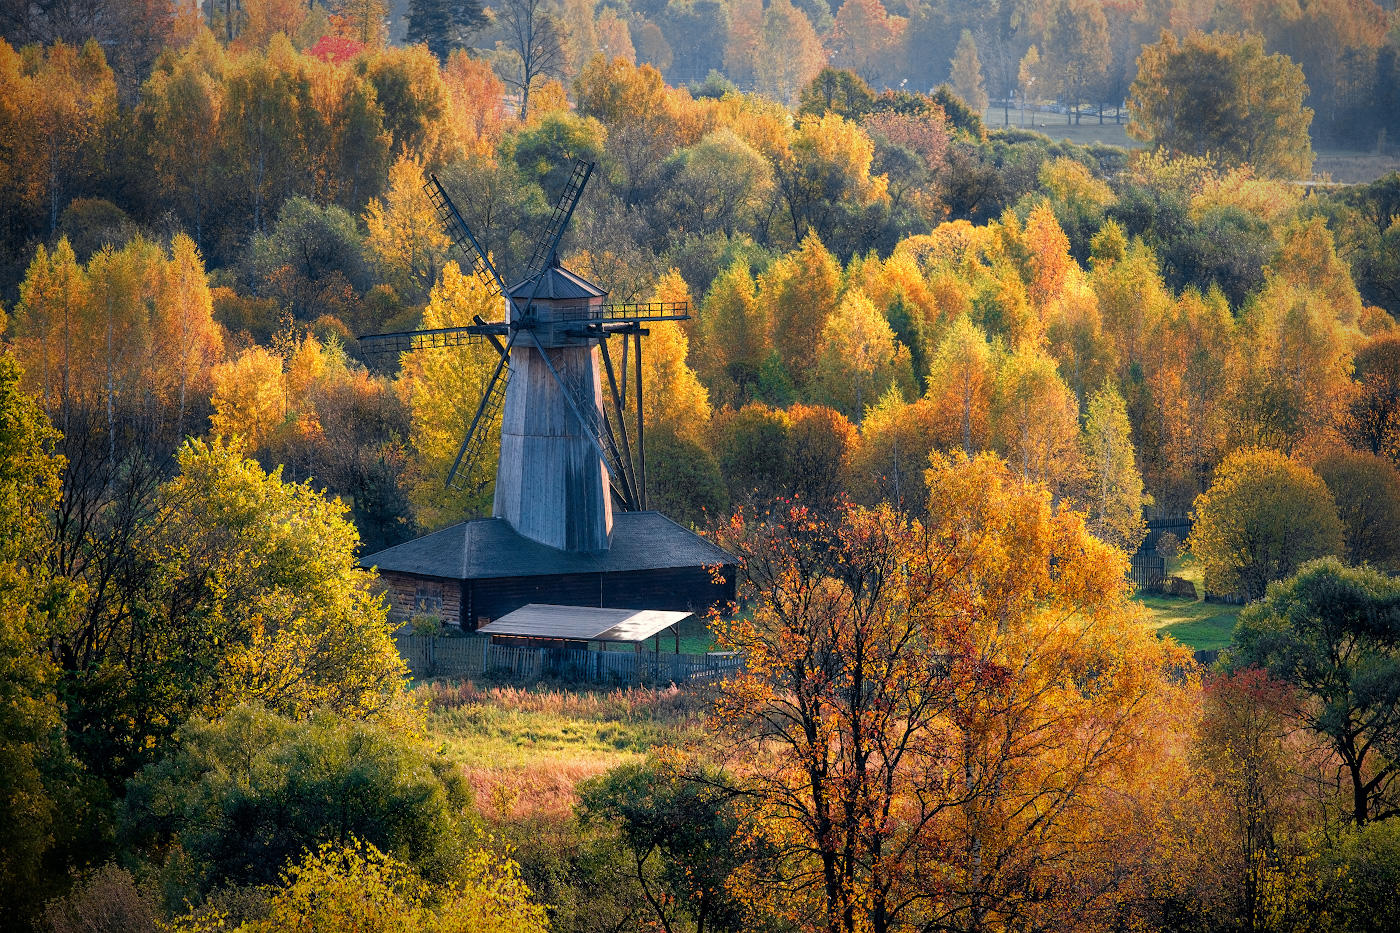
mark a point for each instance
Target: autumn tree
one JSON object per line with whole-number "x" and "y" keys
{"x": 181, "y": 106}
{"x": 674, "y": 398}
{"x": 350, "y": 884}
{"x": 405, "y": 242}
{"x": 534, "y": 46}
{"x": 821, "y": 443}
{"x": 799, "y": 291}
{"x": 960, "y": 383}
{"x": 478, "y": 105}
{"x": 865, "y": 39}
{"x": 789, "y": 53}
{"x": 1115, "y": 494}
{"x": 858, "y": 357}
{"x": 68, "y": 99}
{"x": 1366, "y": 489}
{"x": 896, "y": 437}
{"x": 32, "y": 752}
{"x": 235, "y": 541}
{"x": 1075, "y": 52}
{"x": 905, "y": 732}
{"x": 965, "y": 76}
{"x": 1289, "y": 370}
{"x": 734, "y": 334}
{"x": 824, "y": 175}
{"x": 1221, "y": 96}
{"x": 442, "y": 389}
{"x": 128, "y": 340}
{"x": 1331, "y": 632}
{"x": 1035, "y": 422}
{"x": 1373, "y": 417}
{"x": 1262, "y": 518}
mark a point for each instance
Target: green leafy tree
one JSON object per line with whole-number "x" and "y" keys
{"x": 965, "y": 76}
{"x": 1262, "y": 518}
{"x": 839, "y": 91}
{"x": 245, "y": 795}
{"x": 1366, "y": 489}
{"x": 1115, "y": 491}
{"x": 683, "y": 479}
{"x": 681, "y": 836}
{"x": 1333, "y": 633}
{"x": 1221, "y": 96}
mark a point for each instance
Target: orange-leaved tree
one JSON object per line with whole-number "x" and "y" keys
{"x": 942, "y": 723}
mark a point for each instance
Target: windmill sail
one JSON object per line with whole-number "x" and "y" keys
{"x": 565, "y": 456}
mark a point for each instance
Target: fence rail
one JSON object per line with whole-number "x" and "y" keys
{"x": 433, "y": 656}
{"x": 1147, "y": 571}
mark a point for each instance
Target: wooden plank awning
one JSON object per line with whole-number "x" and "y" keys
{"x": 583, "y": 623}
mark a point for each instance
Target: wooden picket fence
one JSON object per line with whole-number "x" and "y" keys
{"x": 438, "y": 656}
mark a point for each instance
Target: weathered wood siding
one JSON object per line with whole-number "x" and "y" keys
{"x": 491, "y": 599}
{"x": 431, "y": 656}
{"x": 684, "y": 589}
{"x": 410, "y": 594}
{"x": 551, "y": 485}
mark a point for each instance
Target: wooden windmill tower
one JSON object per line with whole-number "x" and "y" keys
{"x": 569, "y": 521}
{"x": 564, "y": 458}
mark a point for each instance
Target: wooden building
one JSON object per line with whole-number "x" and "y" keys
{"x": 565, "y": 457}
{"x": 474, "y": 572}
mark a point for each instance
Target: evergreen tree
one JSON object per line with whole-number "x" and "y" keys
{"x": 965, "y": 76}
{"x": 444, "y": 25}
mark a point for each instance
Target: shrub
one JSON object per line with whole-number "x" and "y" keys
{"x": 244, "y": 796}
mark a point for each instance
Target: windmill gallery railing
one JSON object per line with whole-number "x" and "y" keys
{"x": 434, "y": 656}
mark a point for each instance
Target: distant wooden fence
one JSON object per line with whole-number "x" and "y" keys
{"x": 1148, "y": 568}
{"x": 1147, "y": 571}
{"x": 434, "y": 656}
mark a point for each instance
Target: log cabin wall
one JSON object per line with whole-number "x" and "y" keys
{"x": 410, "y": 595}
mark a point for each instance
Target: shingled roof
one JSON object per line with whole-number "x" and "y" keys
{"x": 488, "y": 548}
{"x": 559, "y": 285}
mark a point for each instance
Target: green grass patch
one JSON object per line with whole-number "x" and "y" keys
{"x": 525, "y": 750}
{"x": 1194, "y": 623}
{"x": 497, "y": 727}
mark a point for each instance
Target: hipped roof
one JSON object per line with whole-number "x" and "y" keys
{"x": 488, "y": 548}
{"x": 559, "y": 285}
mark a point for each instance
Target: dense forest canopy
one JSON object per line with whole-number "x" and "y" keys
{"x": 939, "y": 371}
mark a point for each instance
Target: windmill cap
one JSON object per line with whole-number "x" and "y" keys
{"x": 560, "y": 285}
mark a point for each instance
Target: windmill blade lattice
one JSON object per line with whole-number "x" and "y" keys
{"x": 559, "y": 219}
{"x": 461, "y": 235}
{"x": 488, "y": 412}
{"x": 407, "y": 341}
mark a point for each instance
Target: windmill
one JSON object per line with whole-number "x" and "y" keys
{"x": 566, "y": 457}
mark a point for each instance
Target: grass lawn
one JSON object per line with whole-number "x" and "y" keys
{"x": 1342, "y": 165}
{"x": 524, "y": 749}
{"x": 1054, "y": 125}
{"x": 1193, "y": 622}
